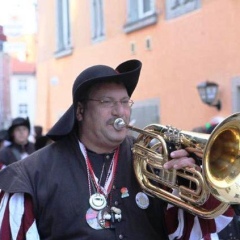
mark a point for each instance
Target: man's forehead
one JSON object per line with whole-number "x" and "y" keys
{"x": 105, "y": 86}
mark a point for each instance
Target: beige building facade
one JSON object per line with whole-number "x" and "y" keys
{"x": 181, "y": 43}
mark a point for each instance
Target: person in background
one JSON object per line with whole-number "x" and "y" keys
{"x": 3, "y": 138}
{"x": 40, "y": 139}
{"x": 38, "y": 130}
{"x": 19, "y": 146}
{"x": 83, "y": 185}
{"x": 209, "y": 126}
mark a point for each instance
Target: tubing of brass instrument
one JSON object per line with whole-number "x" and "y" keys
{"x": 119, "y": 124}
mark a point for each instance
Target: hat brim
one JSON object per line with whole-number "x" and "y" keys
{"x": 127, "y": 72}
{"x": 63, "y": 126}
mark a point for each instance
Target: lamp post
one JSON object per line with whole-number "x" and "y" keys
{"x": 208, "y": 92}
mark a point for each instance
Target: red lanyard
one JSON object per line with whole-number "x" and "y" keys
{"x": 110, "y": 175}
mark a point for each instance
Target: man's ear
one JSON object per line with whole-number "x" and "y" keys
{"x": 79, "y": 112}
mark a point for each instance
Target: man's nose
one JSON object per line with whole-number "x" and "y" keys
{"x": 118, "y": 108}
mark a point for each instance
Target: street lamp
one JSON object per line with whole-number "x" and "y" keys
{"x": 208, "y": 92}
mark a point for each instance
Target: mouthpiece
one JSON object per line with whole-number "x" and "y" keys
{"x": 119, "y": 124}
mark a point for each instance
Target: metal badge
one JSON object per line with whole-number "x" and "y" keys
{"x": 108, "y": 216}
{"x": 116, "y": 214}
{"x": 142, "y": 200}
{"x": 104, "y": 217}
{"x": 91, "y": 218}
{"x": 98, "y": 201}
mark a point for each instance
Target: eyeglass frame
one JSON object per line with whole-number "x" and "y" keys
{"x": 113, "y": 102}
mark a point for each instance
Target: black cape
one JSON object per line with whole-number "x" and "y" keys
{"x": 56, "y": 178}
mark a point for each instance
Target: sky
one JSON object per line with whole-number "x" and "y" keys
{"x": 18, "y": 16}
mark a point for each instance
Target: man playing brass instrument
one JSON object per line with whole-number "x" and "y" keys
{"x": 83, "y": 185}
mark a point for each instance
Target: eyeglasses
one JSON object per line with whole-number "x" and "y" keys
{"x": 108, "y": 103}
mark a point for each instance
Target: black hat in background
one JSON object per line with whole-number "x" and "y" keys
{"x": 19, "y": 121}
{"x": 127, "y": 72}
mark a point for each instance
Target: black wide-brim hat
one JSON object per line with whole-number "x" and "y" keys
{"x": 19, "y": 121}
{"x": 127, "y": 72}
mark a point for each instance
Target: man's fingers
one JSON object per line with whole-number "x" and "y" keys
{"x": 180, "y": 160}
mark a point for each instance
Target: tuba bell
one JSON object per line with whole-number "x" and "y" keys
{"x": 188, "y": 188}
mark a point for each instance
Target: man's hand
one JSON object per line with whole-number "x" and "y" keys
{"x": 180, "y": 159}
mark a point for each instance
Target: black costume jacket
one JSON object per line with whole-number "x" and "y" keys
{"x": 56, "y": 178}
{"x": 12, "y": 153}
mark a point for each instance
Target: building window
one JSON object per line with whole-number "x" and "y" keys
{"x": 141, "y": 13}
{"x": 63, "y": 28}
{"x": 176, "y": 8}
{"x": 22, "y": 84}
{"x": 98, "y": 29}
{"x": 138, "y": 9}
{"x": 23, "y": 110}
{"x": 150, "y": 109}
{"x": 236, "y": 94}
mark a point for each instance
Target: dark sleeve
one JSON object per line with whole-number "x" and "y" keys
{"x": 13, "y": 179}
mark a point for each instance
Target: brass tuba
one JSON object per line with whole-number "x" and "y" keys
{"x": 189, "y": 188}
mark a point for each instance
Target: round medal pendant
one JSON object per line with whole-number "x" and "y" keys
{"x": 142, "y": 200}
{"x": 98, "y": 201}
{"x": 91, "y": 218}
